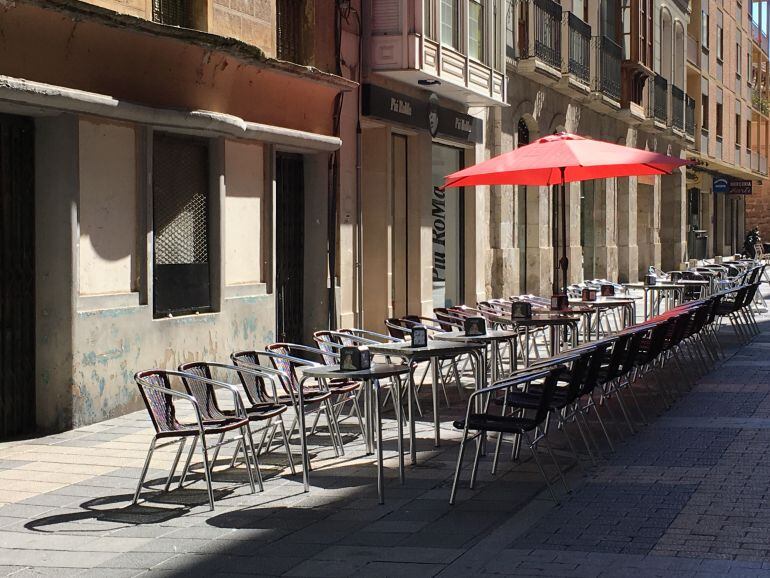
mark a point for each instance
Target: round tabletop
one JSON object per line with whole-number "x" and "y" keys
{"x": 376, "y": 371}
{"x": 434, "y": 348}
{"x": 605, "y": 302}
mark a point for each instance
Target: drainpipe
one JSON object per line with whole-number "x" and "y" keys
{"x": 359, "y": 178}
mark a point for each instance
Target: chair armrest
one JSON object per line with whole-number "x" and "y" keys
{"x": 216, "y": 384}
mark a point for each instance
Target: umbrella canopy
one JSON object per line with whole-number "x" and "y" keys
{"x": 563, "y": 158}
{"x": 582, "y": 159}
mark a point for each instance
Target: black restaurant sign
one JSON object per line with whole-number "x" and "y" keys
{"x": 740, "y": 187}
{"x": 395, "y": 107}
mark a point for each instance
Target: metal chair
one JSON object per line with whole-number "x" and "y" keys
{"x": 159, "y": 396}
{"x": 262, "y": 409}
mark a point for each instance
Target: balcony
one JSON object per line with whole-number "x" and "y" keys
{"x": 539, "y": 39}
{"x": 607, "y": 58}
{"x": 718, "y": 153}
{"x": 737, "y": 159}
{"x": 576, "y": 48}
{"x": 763, "y": 164}
{"x": 759, "y": 102}
{"x": 660, "y": 100}
{"x": 689, "y": 117}
{"x": 404, "y": 46}
{"x": 759, "y": 37}
{"x": 704, "y": 141}
{"x": 677, "y": 108}
{"x": 746, "y": 159}
{"x": 693, "y": 52}
{"x": 755, "y": 162}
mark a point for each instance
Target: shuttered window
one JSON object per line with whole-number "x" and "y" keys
{"x": 386, "y": 17}
{"x": 289, "y": 20}
{"x": 180, "y": 188}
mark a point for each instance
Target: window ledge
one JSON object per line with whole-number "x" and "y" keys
{"x": 242, "y": 290}
{"x": 108, "y": 301}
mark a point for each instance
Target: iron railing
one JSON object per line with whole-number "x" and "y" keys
{"x": 543, "y": 32}
{"x": 173, "y": 12}
{"x": 677, "y": 107}
{"x": 608, "y": 56}
{"x": 689, "y": 115}
{"x": 660, "y": 99}
{"x": 578, "y": 47}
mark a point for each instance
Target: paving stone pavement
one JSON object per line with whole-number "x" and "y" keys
{"x": 686, "y": 495}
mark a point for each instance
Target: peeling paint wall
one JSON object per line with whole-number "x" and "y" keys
{"x": 111, "y": 345}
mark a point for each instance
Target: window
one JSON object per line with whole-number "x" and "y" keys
{"x": 720, "y": 38}
{"x": 738, "y": 54}
{"x": 289, "y": 36}
{"x": 476, "y": 30}
{"x": 719, "y": 120}
{"x": 181, "y": 279}
{"x": 738, "y": 127}
{"x": 704, "y": 30}
{"x": 748, "y": 135}
{"x": 427, "y": 16}
{"x": 705, "y": 112}
{"x": 611, "y": 20}
{"x": 450, "y": 23}
{"x": 173, "y": 12}
{"x": 523, "y": 133}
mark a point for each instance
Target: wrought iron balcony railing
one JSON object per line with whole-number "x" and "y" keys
{"x": 607, "y": 62}
{"x": 542, "y": 32}
{"x": 578, "y": 47}
{"x": 677, "y": 107}
{"x": 689, "y": 115}
{"x": 660, "y": 99}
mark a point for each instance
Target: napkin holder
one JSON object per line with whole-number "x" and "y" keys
{"x": 521, "y": 310}
{"x": 608, "y": 290}
{"x": 588, "y": 294}
{"x": 355, "y": 358}
{"x": 559, "y": 303}
{"x": 419, "y": 336}
{"x": 475, "y": 326}
{"x": 649, "y": 280}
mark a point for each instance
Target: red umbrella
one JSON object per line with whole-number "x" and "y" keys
{"x": 564, "y": 158}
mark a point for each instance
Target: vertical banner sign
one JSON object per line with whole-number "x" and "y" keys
{"x": 438, "y": 212}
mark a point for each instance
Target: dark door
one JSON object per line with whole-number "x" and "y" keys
{"x": 17, "y": 276}
{"x": 289, "y": 247}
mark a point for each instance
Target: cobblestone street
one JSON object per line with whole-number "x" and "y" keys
{"x": 686, "y": 495}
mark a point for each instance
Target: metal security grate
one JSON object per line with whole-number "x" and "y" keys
{"x": 290, "y": 16}
{"x": 173, "y": 12}
{"x": 180, "y": 224}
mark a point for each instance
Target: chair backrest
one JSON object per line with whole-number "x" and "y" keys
{"x": 159, "y": 405}
{"x": 253, "y": 385}
{"x": 397, "y": 328}
{"x": 549, "y": 388}
{"x": 447, "y": 320}
{"x": 326, "y": 341}
{"x": 284, "y": 365}
{"x": 201, "y": 391}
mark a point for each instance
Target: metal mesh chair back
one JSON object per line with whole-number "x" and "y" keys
{"x": 159, "y": 405}
{"x": 253, "y": 385}
{"x": 289, "y": 379}
{"x": 202, "y": 391}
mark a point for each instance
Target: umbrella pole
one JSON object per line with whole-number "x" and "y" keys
{"x": 564, "y": 262}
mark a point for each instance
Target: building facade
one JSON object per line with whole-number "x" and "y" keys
{"x": 172, "y": 193}
{"x": 191, "y": 178}
{"x": 727, "y": 63}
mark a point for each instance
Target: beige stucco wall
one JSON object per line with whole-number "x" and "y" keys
{"x": 244, "y": 185}
{"x": 108, "y": 225}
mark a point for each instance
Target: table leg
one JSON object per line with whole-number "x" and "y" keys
{"x": 302, "y": 439}
{"x": 378, "y": 425}
{"x": 526, "y": 344}
{"x": 368, "y": 418}
{"x": 495, "y": 360}
{"x": 400, "y": 418}
{"x": 434, "y": 387}
{"x": 646, "y": 292}
{"x": 410, "y": 401}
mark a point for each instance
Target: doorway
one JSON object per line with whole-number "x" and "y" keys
{"x": 17, "y": 282}
{"x": 289, "y": 247}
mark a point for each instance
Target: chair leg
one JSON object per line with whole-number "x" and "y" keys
{"x": 479, "y": 445}
{"x": 150, "y": 451}
{"x": 460, "y": 453}
{"x": 247, "y": 461}
{"x": 556, "y": 463}
{"x": 250, "y": 439}
{"x": 187, "y": 462}
{"x": 286, "y": 445}
{"x": 533, "y": 449}
{"x": 182, "y": 443}
{"x": 207, "y": 471}
{"x": 334, "y": 429}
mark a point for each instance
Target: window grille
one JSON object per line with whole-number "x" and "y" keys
{"x": 180, "y": 225}
{"x": 290, "y": 16}
{"x": 173, "y": 12}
